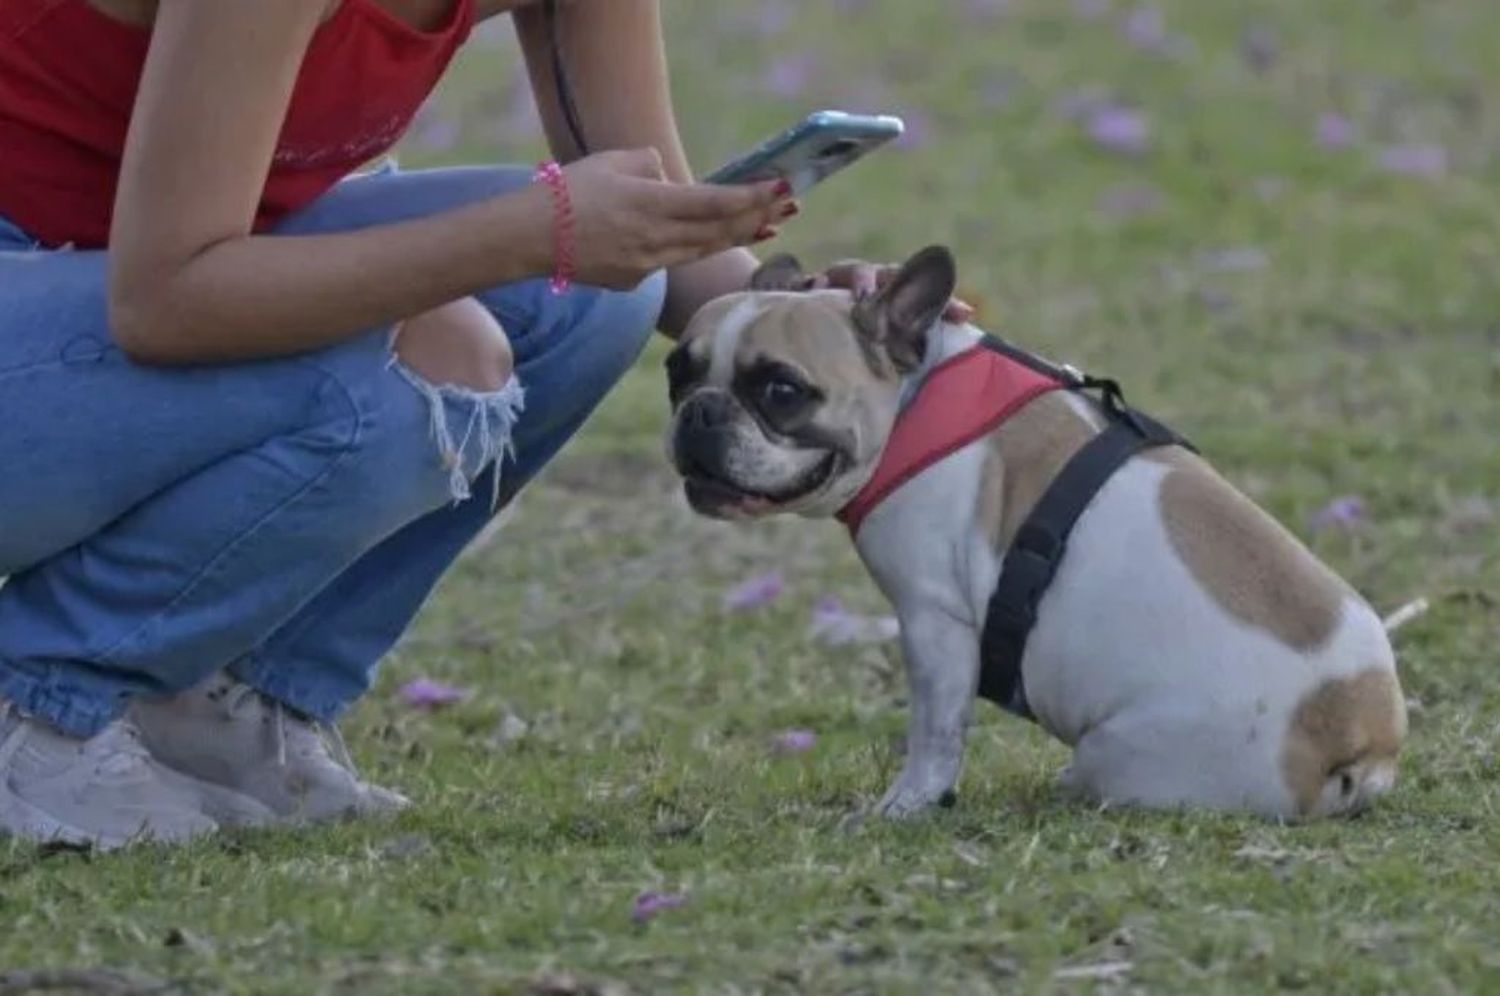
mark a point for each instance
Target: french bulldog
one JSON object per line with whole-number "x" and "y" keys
{"x": 1190, "y": 650}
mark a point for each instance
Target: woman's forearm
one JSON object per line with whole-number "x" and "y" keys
{"x": 615, "y": 59}
{"x": 260, "y": 296}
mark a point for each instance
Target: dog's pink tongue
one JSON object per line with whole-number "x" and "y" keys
{"x": 755, "y": 505}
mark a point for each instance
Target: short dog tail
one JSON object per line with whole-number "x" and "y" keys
{"x": 1405, "y": 614}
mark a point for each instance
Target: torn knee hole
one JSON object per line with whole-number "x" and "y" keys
{"x": 458, "y": 345}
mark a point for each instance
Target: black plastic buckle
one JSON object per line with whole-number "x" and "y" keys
{"x": 1112, "y": 396}
{"x": 1036, "y": 539}
{"x": 1029, "y": 566}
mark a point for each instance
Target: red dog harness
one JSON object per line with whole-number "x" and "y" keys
{"x": 966, "y": 397}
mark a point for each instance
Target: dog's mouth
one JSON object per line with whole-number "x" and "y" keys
{"x": 708, "y": 491}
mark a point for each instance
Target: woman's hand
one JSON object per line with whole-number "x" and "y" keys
{"x": 629, "y": 220}
{"x": 860, "y": 278}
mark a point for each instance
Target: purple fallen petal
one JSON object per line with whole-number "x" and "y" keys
{"x": 1346, "y": 512}
{"x": 1130, "y": 200}
{"x": 1335, "y": 131}
{"x": 834, "y": 625}
{"x": 978, "y": 10}
{"x": 766, "y": 17}
{"x": 1239, "y": 259}
{"x": 790, "y": 75}
{"x": 1421, "y": 160}
{"x": 1146, "y": 28}
{"x": 997, "y": 88}
{"x": 1215, "y": 300}
{"x": 1120, "y": 129}
{"x": 1259, "y": 48}
{"x": 753, "y": 593}
{"x": 1081, "y": 104}
{"x": 794, "y": 741}
{"x": 649, "y": 904}
{"x": 424, "y": 693}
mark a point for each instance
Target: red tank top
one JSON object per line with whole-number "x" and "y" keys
{"x": 68, "y": 79}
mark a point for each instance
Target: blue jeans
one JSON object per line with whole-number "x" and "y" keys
{"x": 285, "y": 518}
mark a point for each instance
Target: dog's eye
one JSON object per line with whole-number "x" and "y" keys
{"x": 778, "y": 394}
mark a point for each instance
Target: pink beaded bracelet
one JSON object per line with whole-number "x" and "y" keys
{"x": 565, "y": 267}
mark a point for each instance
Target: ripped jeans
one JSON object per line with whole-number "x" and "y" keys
{"x": 285, "y": 518}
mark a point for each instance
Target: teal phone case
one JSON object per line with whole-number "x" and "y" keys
{"x": 813, "y": 149}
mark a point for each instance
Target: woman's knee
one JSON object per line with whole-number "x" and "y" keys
{"x": 432, "y": 405}
{"x": 459, "y": 344}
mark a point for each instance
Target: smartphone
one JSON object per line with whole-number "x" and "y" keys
{"x": 815, "y": 148}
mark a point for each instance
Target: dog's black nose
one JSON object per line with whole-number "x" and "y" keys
{"x": 705, "y": 410}
{"x": 705, "y": 428}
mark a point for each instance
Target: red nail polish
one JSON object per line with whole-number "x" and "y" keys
{"x": 791, "y": 210}
{"x": 783, "y": 188}
{"x": 764, "y": 232}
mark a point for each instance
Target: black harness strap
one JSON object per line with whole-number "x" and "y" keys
{"x": 1039, "y": 545}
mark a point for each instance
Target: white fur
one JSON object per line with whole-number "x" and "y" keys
{"x": 727, "y": 339}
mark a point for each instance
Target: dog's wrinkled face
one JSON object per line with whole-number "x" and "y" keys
{"x": 783, "y": 399}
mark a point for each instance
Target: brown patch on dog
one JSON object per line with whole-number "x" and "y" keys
{"x": 1346, "y": 724}
{"x": 812, "y": 331}
{"x": 1247, "y": 561}
{"x": 1022, "y": 458}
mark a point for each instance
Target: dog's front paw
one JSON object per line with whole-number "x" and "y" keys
{"x": 905, "y": 799}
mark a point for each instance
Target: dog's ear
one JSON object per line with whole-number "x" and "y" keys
{"x": 781, "y": 272}
{"x": 899, "y": 317}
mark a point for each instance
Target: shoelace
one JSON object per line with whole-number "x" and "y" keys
{"x": 118, "y": 749}
{"x": 243, "y": 696}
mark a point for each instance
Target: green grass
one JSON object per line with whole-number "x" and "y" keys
{"x": 1359, "y": 354}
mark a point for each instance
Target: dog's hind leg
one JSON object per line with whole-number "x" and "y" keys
{"x": 1165, "y": 761}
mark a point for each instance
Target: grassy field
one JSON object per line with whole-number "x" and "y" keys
{"x": 1275, "y": 221}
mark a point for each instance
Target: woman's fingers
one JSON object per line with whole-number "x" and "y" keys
{"x": 700, "y": 238}
{"x": 713, "y": 202}
{"x": 959, "y": 311}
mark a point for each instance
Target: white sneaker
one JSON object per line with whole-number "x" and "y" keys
{"x": 227, "y": 735}
{"x": 104, "y": 791}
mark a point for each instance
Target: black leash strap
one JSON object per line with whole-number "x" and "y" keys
{"x": 560, "y": 79}
{"x": 1039, "y": 545}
